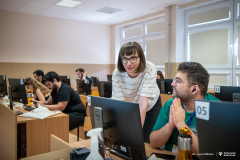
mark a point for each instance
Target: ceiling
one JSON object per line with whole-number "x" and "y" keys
{"x": 87, "y": 11}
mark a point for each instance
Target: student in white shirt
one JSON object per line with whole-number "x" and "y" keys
{"x": 134, "y": 80}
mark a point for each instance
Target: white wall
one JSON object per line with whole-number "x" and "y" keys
{"x": 29, "y": 38}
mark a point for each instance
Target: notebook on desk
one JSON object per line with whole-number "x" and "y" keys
{"x": 218, "y": 129}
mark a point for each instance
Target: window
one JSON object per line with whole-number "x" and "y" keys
{"x": 150, "y": 35}
{"x": 212, "y": 34}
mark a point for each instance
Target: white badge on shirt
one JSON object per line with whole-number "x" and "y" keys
{"x": 175, "y": 149}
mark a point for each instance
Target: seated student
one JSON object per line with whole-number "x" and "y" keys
{"x": 134, "y": 80}
{"x": 190, "y": 83}
{"x": 65, "y": 99}
{"x": 40, "y": 91}
{"x": 83, "y": 75}
{"x": 160, "y": 75}
{"x": 38, "y": 75}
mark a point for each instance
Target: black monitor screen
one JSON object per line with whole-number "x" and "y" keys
{"x": 3, "y": 85}
{"x": 165, "y": 86}
{"x": 109, "y": 77}
{"x": 65, "y": 79}
{"x": 94, "y": 81}
{"x": 105, "y": 89}
{"x": 123, "y": 133}
{"x": 218, "y": 129}
{"x": 82, "y": 86}
{"x": 18, "y": 90}
{"x": 227, "y": 93}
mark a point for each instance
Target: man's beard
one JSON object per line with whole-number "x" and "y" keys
{"x": 184, "y": 96}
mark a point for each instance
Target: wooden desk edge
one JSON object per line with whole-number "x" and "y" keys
{"x": 149, "y": 150}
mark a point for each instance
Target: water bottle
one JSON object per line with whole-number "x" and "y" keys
{"x": 184, "y": 144}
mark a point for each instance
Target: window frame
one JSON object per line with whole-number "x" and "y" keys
{"x": 143, "y": 37}
{"x": 218, "y": 72}
{"x": 228, "y": 26}
{"x": 209, "y": 8}
{"x": 237, "y": 10}
{"x": 236, "y": 61}
{"x": 236, "y": 73}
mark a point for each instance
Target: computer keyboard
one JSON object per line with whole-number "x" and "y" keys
{"x": 28, "y": 108}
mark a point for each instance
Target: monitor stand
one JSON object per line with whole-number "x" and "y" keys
{"x": 98, "y": 118}
{"x": 163, "y": 87}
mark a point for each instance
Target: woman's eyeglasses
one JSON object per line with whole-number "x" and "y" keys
{"x": 132, "y": 59}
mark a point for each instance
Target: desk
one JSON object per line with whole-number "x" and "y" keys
{"x": 165, "y": 98}
{"x": 149, "y": 150}
{"x": 61, "y": 149}
{"x": 36, "y": 132}
{"x": 211, "y": 91}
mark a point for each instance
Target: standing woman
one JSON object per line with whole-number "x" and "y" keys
{"x": 134, "y": 80}
{"x": 40, "y": 91}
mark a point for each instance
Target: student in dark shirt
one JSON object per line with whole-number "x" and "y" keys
{"x": 38, "y": 75}
{"x": 65, "y": 99}
{"x": 83, "y": 75}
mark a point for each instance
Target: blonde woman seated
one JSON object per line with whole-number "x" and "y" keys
{"x": 40, "y": 91}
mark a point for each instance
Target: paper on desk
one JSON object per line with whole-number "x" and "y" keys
{"x": 40, "y": 113}
{"x": 153, "y": 157}
{"x": 6, "y": 103}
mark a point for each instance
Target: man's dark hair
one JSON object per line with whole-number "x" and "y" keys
{"x": 80, "y": 70}
{"x": 39, "y": 72}
{"x": 50, "y": 76}
{"x": 196, "y": 74}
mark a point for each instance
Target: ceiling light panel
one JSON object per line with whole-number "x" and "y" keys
{"x": 69, "y": 3}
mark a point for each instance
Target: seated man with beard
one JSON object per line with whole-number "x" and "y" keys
{"x": 63, "y": 98}
{"x": 190, "y": 84}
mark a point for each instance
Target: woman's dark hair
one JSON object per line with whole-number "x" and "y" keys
{"x": 160, "y": 74}
{"x": 196, "y": 74}
{"x": 128, "y": 49}
{"x": 50, "y": 76}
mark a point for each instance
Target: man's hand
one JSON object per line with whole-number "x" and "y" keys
{"x": 171, "y": 123}
{"x": 36, "y": 103}
{"x": 178, "y": 114}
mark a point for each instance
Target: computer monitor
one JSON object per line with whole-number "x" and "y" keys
{"x": 227, "y": 93}
{"x": 218, "y": 129}
{"x": 82, "y": 86}
{"x": 109, "y": 77}
{"x": 65, "y": 79}
{"x": 3, "y": 85}
{"x": 18, "y": 90}
{"x": 121, "y": 122}
{"x": 105, "y": 89}
{"x": 165, "y": 86}
{"x": 94, "y": 81}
